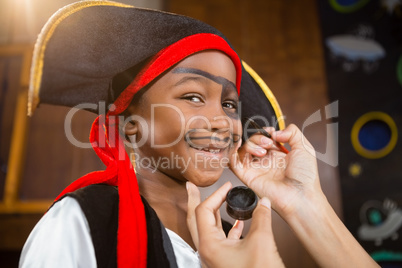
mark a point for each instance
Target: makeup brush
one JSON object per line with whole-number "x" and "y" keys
{"x": 266, "y": 134}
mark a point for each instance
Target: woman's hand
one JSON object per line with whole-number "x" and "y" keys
{"x": 292, "y": 184}
{"x": 257, "y": 249}
{"x": 285, "y": 179}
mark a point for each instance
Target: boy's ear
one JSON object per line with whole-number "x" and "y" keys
{"x": 131, "y": 128}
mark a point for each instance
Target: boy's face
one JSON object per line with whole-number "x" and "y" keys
{"x": 186, "y": 124}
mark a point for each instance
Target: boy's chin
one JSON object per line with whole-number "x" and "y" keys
{"x": 204, "y": 183}
{"x": 205, "y": 179}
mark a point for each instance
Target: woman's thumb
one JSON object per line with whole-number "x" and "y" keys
{"x": 262, "y": 219}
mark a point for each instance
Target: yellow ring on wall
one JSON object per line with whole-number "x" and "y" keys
{"x": 374, "y": 154}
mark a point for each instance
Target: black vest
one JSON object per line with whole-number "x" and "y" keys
{"x": 100, "y": 204}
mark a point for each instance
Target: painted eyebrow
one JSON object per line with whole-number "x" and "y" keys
{"x": 217, "y": 79}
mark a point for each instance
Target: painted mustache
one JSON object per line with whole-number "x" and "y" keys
{"x": 202, "y": 138}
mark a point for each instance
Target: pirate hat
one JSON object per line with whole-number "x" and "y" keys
{"x": 80, "y": 51}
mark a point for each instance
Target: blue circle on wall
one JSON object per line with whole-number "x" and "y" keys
{"x": 374, "y": 135}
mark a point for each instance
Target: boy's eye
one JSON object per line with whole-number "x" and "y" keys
{"x": 229, "y": 105}
{"x": 193, "y": 98}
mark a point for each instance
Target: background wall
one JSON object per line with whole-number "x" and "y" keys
{"x": 363, "y": 55}
{"x": 21, "y": 20}
{"x": 280, "y": 40}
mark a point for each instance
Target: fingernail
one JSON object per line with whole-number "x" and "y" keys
{"x": 262, "y": 151}
{"x": 265, "y": 202}
{"x": 187, "y": 185}
{"x": 235, "y": 224}
{"x": 265, "y": 140}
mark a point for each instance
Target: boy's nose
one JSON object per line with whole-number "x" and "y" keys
{"x": 210, "y": 123}
{"x": 220, "y": 122}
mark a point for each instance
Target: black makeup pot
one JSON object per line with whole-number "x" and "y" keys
{"x": 241, "y": 202}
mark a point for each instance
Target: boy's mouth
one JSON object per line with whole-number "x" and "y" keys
{"x": 210, "y": 142}
{"x": 212, "y": 150}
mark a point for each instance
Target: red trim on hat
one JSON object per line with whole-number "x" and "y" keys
{"x": 171, "y": 55}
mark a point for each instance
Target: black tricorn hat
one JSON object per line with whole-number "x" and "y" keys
{"x": 86, "y": 44}
{"x": 81, "y": 51}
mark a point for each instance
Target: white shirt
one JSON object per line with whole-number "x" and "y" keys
{"x": 184, "y": 253}
{"x": 62, "y": 239}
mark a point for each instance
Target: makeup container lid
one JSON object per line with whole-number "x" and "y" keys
{"x": 241, "y": 202}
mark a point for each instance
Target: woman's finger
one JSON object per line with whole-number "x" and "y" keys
{"x": 237, "y": 230}
{"x": 206, "y": 211}
{"x": 257, "y": 145}
{"x": 218, "y": 219}
{"x": 261, "y": 235}
{"x": 261, "y": 226}
{"x": 293, "y": 136}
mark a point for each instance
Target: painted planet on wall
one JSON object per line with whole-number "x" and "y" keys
{"x": 347, "y": 6}
{"x": 374, "y": 135}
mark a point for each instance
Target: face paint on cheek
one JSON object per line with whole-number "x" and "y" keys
{"x": 201, "y": 138}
